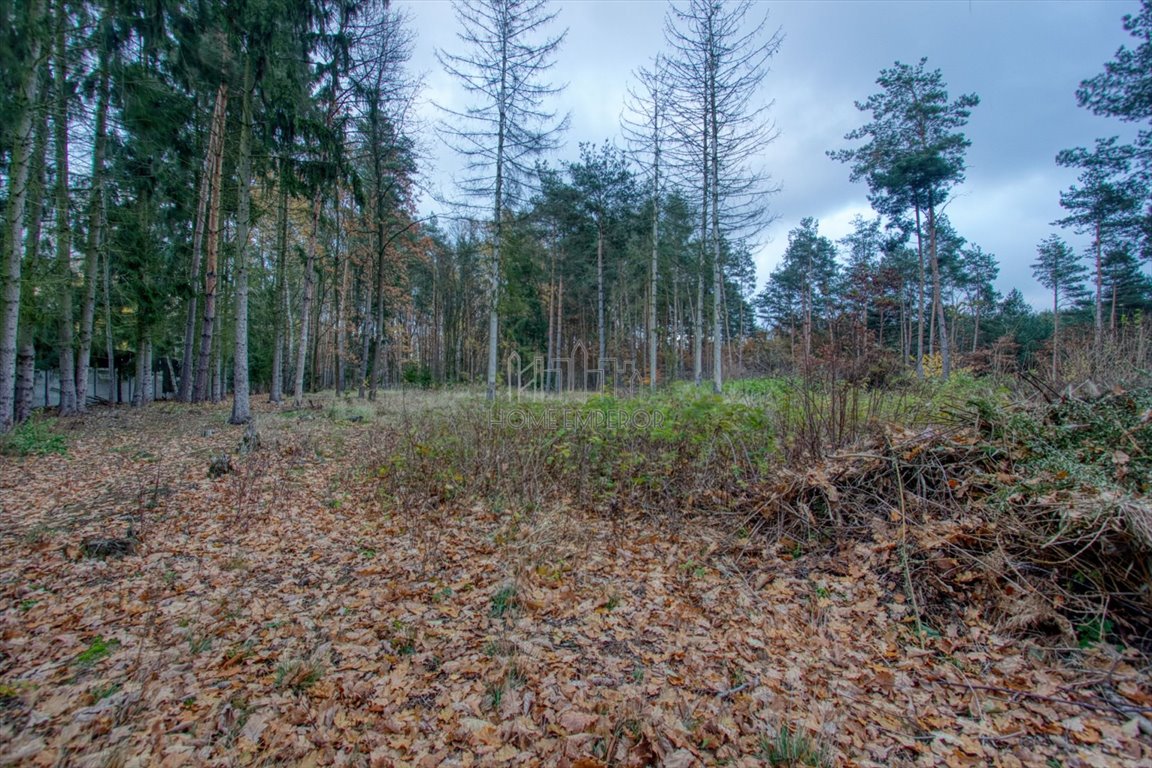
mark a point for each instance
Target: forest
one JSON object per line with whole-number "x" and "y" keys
{"x": 177, "y": 177}
{"x": 305, "y": 460}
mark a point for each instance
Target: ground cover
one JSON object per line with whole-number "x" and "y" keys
{"x": 378, "y": 585}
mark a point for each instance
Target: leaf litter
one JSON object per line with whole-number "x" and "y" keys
{"x": 279, "y": 614}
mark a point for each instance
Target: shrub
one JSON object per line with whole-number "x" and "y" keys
{"x": 34, "y": 438}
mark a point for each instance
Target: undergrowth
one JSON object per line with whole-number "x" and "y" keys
{"x": 1036, "y": 512}
{"x": 663, "y": 454}
{"x": 33, "y": 438}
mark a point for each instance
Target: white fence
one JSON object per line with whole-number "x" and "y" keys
{"x": 46, "y": 392}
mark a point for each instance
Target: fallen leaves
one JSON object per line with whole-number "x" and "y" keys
{"x": 259, "y": 622}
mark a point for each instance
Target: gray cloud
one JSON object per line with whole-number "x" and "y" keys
{"x": 1024, "y": 59}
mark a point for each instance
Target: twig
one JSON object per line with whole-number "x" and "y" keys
{"x": 737, "y": 689}
{"x": 1122, "y": 705}
{"x": 1127, "y": 709}
{"x": 1013, "y": 693}
{"x": 904, "y": 549}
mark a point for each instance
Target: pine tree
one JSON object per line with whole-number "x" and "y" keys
{"x": 912, "y": 156}
{"x": 1105, "y": 203}
{"x": 1059, "y": 270}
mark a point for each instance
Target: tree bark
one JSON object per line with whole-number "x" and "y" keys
{"x": 713, "y": 120}
{"x": 341, "y": 304}
{"x": 306, "y": 308}
{"x": 25, "y": 380}
{"x": 109, "y": 346}
{"x": 201, "y": 390}
{"x": 279, "y": 301}
{"x": 95, "y": 236}
{"x": 602, "y": 341}
{"x": 187, "y": 361}
{"x": 937, "y": 298}
{"x": 64, "y": 341}
{"x": 652, "y": 335}
{"x": 1098, "y": 340}
{"x": 494, "y": 267}
{"x": 17, "y": 200}
{"x": 1055, "y": 332}
{"x": 241, "y": 405}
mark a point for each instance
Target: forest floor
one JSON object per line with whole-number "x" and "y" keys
{"x": 281, "y": 614}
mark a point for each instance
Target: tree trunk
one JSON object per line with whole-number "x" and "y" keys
{"x": 64, "y": 341}
{"x": 976, "y": 328}
{"x": 379, "y": 327}
{"x": 95, "y": 236}
{"x": 713, "y": 123}
{"x": 241, "y": 406}
{"x": 187, "y": 362}
{"x": 698, "y": 331}
{"x": 652, "y": 334}
{"x": 919, "y": 299}
{"x": 17, "y": 200}
{"x": 109, "y": 346}
{"x": 306, "y": 308}
{"x": 1055, "y": 332}
{"x": 279, "y": 303}
{"x": 494, "y": 287}
{"x": 201, "y": 389}
{"x": 366, "y": 332}
{"x": 25, "y": 380}
{"x": 138, "y": 396}
{"x": 937, "y": 298}
{"x": 341, "y": 305}
{"x": 1098, "y": 340}
{"x": 602, "y": 342}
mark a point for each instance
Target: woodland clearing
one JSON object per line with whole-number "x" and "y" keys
{"x": 300, "y": 608}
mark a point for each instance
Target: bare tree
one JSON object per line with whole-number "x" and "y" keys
{"x": 644, "y": 124}
{"x": 501, "y": 66}
{"x": 718, "y": 65}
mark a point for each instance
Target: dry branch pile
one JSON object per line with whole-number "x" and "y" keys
{"x": 1036, "y": 514}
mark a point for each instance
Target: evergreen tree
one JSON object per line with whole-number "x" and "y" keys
{"x": 1060, "y": 271}
{"x": 605, "y": 192}
{"x": 912, "y": 156}
{"x": 1105, "y": 204}
{"x": 1124, "y": 90}
{"x": 800, "y": 289}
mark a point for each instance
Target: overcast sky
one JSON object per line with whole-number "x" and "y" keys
{"x": 1024, "y": 59}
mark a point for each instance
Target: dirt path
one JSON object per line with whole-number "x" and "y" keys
{"x": 281, "y": 615}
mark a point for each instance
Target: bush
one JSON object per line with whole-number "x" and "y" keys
{"x": 668, "y": 453}
{"x": 34, "y": 438}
